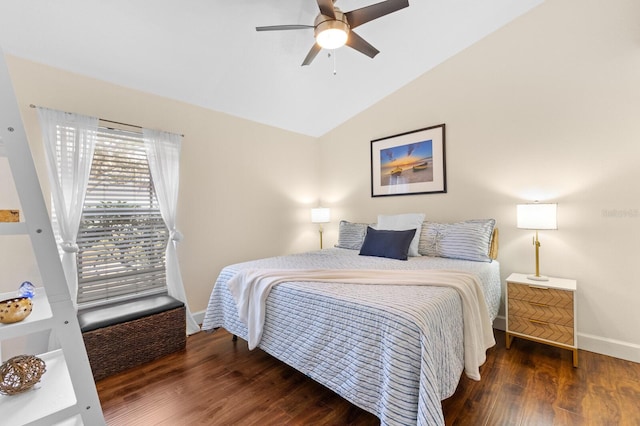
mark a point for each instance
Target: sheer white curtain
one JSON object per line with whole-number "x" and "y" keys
{"x": 163, "y": 153}
{"x": 69, "y": 142}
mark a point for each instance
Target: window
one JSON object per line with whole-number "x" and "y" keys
{"x": 122, "y": 236}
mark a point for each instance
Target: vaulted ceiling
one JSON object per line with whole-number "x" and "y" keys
{"x": 208, "y": 53}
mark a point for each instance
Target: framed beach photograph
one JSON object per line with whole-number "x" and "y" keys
{"x": 409, "y": 163}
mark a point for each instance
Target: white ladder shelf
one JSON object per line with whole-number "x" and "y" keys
{"x": 66, "y": 394}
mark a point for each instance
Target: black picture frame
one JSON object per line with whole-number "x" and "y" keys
{"x": 409, "y": 163}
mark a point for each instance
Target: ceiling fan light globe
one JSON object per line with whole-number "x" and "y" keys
{"x": 332, "y": 38}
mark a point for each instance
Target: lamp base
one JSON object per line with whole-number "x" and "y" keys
{"x": 537, "y": 278}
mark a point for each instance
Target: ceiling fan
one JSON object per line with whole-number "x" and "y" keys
{"x": 334, "y": 28}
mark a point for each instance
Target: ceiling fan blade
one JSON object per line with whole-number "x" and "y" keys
{"x": 284, "y": 27}
{"x": 326, "y": 8}
{"x": 369, "y": 13}
{"x": 361, "y": 45}
{"x": 315, "y": 49}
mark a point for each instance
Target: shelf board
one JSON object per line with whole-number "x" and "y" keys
{"x": 52, "y": 394}
{"x": 38, "y": 320}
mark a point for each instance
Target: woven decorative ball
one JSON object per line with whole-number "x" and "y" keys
{"x": 14, "y": 310}
{"x": 20, "y": 373}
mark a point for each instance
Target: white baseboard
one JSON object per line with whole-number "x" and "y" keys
{"x": 198, "y": 316}
{"x": 598, "y": 344}
{"x": 609, "y": 347}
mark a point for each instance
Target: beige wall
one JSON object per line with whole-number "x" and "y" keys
{"x": 545, "y": 108}
{"x": 245, "y": 188}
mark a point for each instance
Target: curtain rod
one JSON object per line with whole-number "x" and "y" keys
{"x": 110, "y": 121}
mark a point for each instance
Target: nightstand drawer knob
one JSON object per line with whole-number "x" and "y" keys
{"x": 538, "y": 287}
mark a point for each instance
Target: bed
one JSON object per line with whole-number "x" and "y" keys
{"x": 394, "y": 350}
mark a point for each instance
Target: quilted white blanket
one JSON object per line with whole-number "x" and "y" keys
{"x": 251, "y": 287}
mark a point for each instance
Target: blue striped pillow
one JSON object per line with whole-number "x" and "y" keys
{"x": 468, "y": 240}
{"x": 428, "y": 238}
{"x": 351, "y": 235}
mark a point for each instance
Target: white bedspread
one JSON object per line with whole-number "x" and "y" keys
{"x": 251, "y": 287}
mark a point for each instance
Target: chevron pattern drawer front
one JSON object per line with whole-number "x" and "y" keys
{"x": 541, "y": 295}
{"x": 541, "y": 329}
{"x": 542, "y": 311}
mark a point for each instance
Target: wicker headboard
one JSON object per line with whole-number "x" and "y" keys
{"x": 493, "y": 248}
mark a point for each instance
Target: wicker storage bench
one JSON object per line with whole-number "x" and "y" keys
{"x": 128, "y": 334}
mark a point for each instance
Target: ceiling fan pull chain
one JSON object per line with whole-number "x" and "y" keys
{"x": 335, "y": 71}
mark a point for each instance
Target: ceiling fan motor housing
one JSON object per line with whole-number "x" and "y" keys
{"x": 326, "y": 23}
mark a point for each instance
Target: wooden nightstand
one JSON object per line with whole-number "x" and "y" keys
{"x": 542, "y": 311}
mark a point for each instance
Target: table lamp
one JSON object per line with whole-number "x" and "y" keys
{"x": 320, "y": 215}
{"x": 537, "y": 216}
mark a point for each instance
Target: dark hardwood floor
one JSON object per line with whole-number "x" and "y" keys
{"x": 219, "y": 382}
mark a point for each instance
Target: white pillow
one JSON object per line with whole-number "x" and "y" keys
{"x": 402, "y": 222}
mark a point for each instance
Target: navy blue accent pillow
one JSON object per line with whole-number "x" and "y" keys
{"x": 385, "y": 243}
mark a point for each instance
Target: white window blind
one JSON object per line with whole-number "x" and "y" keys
{"x": 122, "y": 237}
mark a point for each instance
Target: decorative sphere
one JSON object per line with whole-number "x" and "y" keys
{"x": 20, "y": 373}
